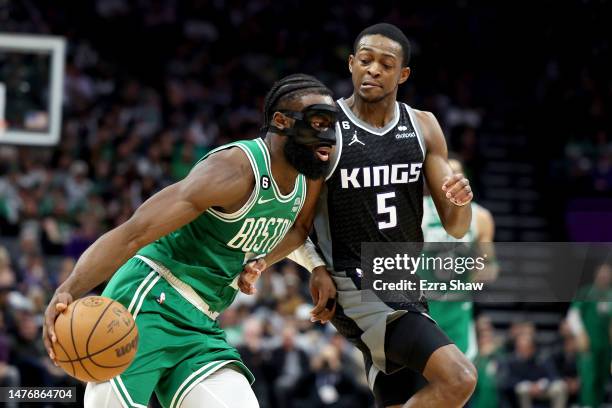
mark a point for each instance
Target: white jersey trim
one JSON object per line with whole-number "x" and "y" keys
{"x": 367, "y": 127}
{"x": 417, "y": 129}
{"x": 241, "y": 212}
{"x": 336, "y": 152}
{"x": 279, "y": 196}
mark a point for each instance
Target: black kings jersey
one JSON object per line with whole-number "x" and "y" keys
{"x": 375, "y": 189}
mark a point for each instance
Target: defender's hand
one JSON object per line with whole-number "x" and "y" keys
{"x": 59, "y": 302}
{"x": 323, "y": 292}
{"x": 457, "y": 189}
{"x": 249, "y": 276}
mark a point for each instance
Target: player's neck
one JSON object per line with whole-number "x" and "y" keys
{"x": 282, "y": 171}
{"x": 377, "y": 114}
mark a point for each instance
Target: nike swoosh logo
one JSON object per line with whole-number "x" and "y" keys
{"x": 262, "y": 201}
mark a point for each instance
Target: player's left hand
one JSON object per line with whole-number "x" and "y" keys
{"x": 323, "y": 292}
{"x": 457, "y": 189}
{"x": 249, "y": 276}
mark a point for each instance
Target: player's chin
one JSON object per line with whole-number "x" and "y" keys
{"x": 372, "y": 95}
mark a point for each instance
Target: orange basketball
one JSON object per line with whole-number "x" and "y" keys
{"x": 97, "y": 339}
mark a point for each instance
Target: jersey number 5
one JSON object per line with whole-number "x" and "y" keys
{"x": 381, "y": 205}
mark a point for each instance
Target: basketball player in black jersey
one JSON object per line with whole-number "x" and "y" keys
{"x": 374, "y": 193}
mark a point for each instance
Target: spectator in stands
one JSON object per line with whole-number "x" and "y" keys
{"x": 78, "y": 184}
{"x": 308, "y": 338}
{"x": 351, "y": 360}
{"x": 326, "y": 385}
{"x": 565, "y": 361}
{"x": 7, "y": 276}
{"x": 532, "y": 376}
{"x": 518, "y": 328}
{"x": 9, "y": 374}
{"x": 291, "y": 364}
{"x": 256, "y": 358}
{"x": 487, "y": 363}
{"x": 7, "y": 284}
{"x": 30, "y": 355}
{"x": 292, "y": 298}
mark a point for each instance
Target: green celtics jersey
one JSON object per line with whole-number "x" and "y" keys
{"x": 454, "y": 317}
{"x": 208, "y": 254}
{"x": 433, "y": 230}
{"x": 595, "y": 308}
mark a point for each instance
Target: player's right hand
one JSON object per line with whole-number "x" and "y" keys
{"x": 323, "y": 292}
{"x": 249, "y": 276}
{"x": 58, "y": 303}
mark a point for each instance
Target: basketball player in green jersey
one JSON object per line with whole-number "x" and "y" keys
{"x": 175, "y": 263}
{"x": 456, "y": 317}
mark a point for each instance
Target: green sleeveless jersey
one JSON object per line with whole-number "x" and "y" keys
{"x": 433, "y": 230}
{"x": 454, "y": 317}
{"x": 208, "y": 254}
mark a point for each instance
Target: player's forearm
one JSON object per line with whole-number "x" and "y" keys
{"x": 99, "y": 262}
{"x": 295, "y": 238}
{"x": 456, "y": 220}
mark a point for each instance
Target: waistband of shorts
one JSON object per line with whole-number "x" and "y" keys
{"x": 186, "y": 291}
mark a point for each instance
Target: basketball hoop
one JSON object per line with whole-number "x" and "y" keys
{"x": 33, "y": 116}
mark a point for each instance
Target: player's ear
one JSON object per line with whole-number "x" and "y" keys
{"x": 404, "y": 74}
{"x": 281, "y": 121}
{"x": 350, "y": 63}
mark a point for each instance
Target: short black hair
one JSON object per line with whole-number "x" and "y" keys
{"x": 290, "y": 88}
{"x": 391, "y": 32}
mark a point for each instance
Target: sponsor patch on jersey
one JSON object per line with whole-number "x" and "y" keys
{"x": 405, "y": 135}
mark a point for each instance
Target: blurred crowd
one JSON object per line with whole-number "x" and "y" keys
{"x": 517, "y": 368}
{"x": 151, "y": 86}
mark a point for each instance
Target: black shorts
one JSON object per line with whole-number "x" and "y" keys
{"x": 409, "y": 342}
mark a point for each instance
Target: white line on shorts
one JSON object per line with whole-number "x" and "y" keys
{"x": 142, "y": 284}
{"x": 130, "y": 400}
{"x": 144, "y": 295}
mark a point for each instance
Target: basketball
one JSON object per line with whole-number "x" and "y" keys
{"x": 97, "y": 339}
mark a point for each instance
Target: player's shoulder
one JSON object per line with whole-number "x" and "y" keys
{"x": 483, "y": 216}
{"x": 424, "y": 117}
{"x": 430, "y": 128}
{"x": 220, "y": 179}
{"x": 228, "y": 165}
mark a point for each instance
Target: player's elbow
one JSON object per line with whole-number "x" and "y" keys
{"x": 133, "y": 236}
{"x": 456, "y": 230}
{"x": 458, "y": 234}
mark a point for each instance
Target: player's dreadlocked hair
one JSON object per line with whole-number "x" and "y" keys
{"x": 289, "y": 88}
